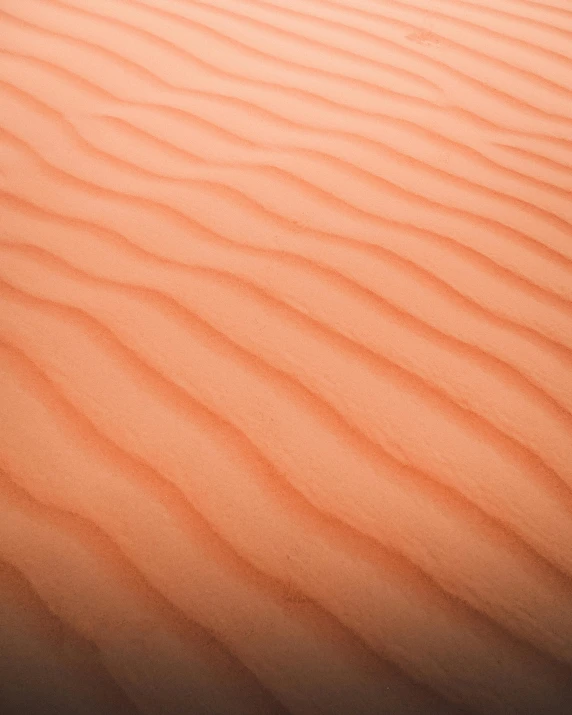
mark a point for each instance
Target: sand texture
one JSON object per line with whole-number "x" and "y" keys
{"x": 285, "y": 357}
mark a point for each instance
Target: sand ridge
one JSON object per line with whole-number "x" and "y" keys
{"x": 286, "y": 356}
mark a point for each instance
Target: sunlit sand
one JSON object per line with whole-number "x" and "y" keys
{"x": 286, "y": 357}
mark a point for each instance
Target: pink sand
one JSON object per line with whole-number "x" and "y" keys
{"x": 286, "y": 356}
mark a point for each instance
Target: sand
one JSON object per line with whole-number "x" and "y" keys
{"x": 285, "y": 357}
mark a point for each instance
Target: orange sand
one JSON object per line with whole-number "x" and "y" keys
{"x": 286, "y": 357}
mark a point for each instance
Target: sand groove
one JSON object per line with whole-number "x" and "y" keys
{"x": 285, "y": 356}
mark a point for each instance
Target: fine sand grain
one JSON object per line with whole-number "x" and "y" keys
{"x": 285, "y": 357}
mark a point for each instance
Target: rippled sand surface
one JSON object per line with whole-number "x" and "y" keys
{"x": 285, "y": 357}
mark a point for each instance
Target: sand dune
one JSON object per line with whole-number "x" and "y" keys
{"x": 286, "y": 356}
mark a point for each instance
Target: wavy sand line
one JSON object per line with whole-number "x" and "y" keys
{"x": 122, "y": 244}
{"x": 281, "y": 162}
{"x": 229, "y": 244}
{"x": 219, "y": 76}
{"x": 170, "y": 211}
{"x": 286, "y": 354}
{"x": 369, "y": 130}
{"x": 415, "y": 659}
{"x": 424, "y": 393}
{"x": 138, "y": 293}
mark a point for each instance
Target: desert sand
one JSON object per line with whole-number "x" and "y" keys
{"x": 286, "y": 357}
